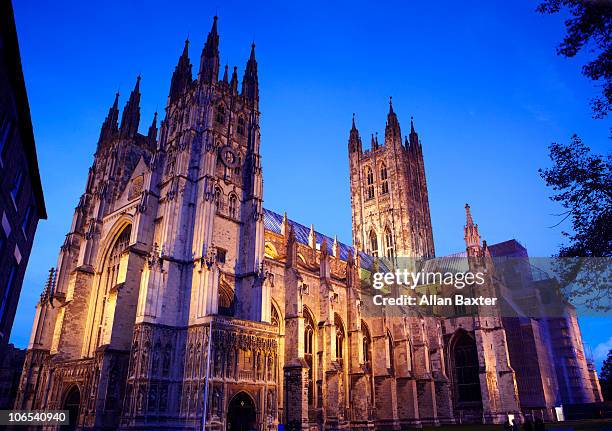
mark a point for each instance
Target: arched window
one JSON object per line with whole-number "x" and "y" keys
{"x": 220, "y": 114}
{"x": 218, "y": 198}
{"x": 339, "y": 339}
{"x": 389, "y": 244}
{"x": 373, "y": 244}
{"x": 233, "y": 204}
{"x": 367, "y": 345}
{"x": 309, "y": 333}
{"x": 370, "y": 182}
{"x": 110, "y": 277}
{"x": 465, "y": 369}
{"x": 383, "y": 178}
{"x": 240, "y": 127}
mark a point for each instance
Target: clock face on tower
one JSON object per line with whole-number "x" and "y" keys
{"x": 228, "y": 156}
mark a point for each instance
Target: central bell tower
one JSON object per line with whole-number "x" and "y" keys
{"x": 389, "y": 200}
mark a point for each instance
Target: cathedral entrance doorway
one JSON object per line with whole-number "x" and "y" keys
{"x": 241, "y": 413}
{"x": 72, "y": 403}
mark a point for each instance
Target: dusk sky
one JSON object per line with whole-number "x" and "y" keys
{"x": 482, "y": 79}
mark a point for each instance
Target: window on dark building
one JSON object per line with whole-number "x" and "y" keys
{"x": 17, "y": 186}
{"x": 27, "y": 221}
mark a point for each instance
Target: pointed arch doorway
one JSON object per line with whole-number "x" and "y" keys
{"x": 241, "y": 415}
{"x": 72, "y": 403}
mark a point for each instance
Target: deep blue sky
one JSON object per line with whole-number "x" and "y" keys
{"x": 482, "y": 80}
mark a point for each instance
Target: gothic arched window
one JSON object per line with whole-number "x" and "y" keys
{"x": 309, "y": 332}
{"x": 389, "y": 243}
{"x": 110, "y": 277}
{"x": 367, "y": 345}
{"x": 373, "y": 243}
{"x": 339, "y": 339}
{"x": 240, "y": 127}
{"x": 383, "y": 178}
{"x": 233, "y": 204}
{"x": 220, "y": 114}
{"x": 370, "y": 182}
{"x": 218, "y": 194}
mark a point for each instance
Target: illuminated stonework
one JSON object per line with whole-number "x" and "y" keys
{"x": 171, "y": 248}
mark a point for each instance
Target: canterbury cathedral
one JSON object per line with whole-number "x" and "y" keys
{"x": 179, "y": 302}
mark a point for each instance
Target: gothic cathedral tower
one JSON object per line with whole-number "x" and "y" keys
{"x": 389, "y": 201}
{"x": 167, "y": 237}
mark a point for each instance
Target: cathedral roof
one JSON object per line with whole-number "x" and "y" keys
{"x": 274, "y": 220}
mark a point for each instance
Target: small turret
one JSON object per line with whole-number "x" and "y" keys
{"x": 392, "y": 129}
{"x": 152, "y": 135}
{"x": 471, "y": 234}
{"x": 354, "y": 139}
{"x": 234, "y": 81}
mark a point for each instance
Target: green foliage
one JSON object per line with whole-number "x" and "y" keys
{"x": 590, "y": 27}
{"x": 605, "y": 378}
{"x": 583, "y": 186}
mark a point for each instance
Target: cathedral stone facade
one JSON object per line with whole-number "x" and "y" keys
{"x": 179, "y": 302}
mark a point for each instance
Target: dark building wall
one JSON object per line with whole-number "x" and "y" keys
{"x": 11, "y": 364}
{"x": 21, "y": 197}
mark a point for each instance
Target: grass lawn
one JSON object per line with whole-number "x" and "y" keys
{"x": 586, "y": 425}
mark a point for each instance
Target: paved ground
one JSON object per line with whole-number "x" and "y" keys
{"x": 594, "y": 425}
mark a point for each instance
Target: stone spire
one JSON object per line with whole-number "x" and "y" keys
{"x": 49, "y": 286}
{"x": 471, "y": 234}
{"x": 225, "y": 78}
{"x": 250, "y": 82}
{"x": 131, "y": 113}
{"x": 336, "y": 247}
{"x": 181, "y": 78}
{"x": 234, "y": 81}
{"x": 312, "y": 238}
{"x": 392, "y": 129}
{"x": 209, "y": 60}
{"x": 110, "y": 125}
{"x": 285, "y": 225}
{"x": 413, "y": 138}
{"x": 153, "y": 131}
{"x": 354, "y": 138}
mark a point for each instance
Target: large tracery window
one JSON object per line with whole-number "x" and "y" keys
{"x": 370, "y": 182}
{"x": 384, "y": 179}
{"x": 112, "y": 275}
{"x": 465, "y": 373}
{"x": 373, "y": 244}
